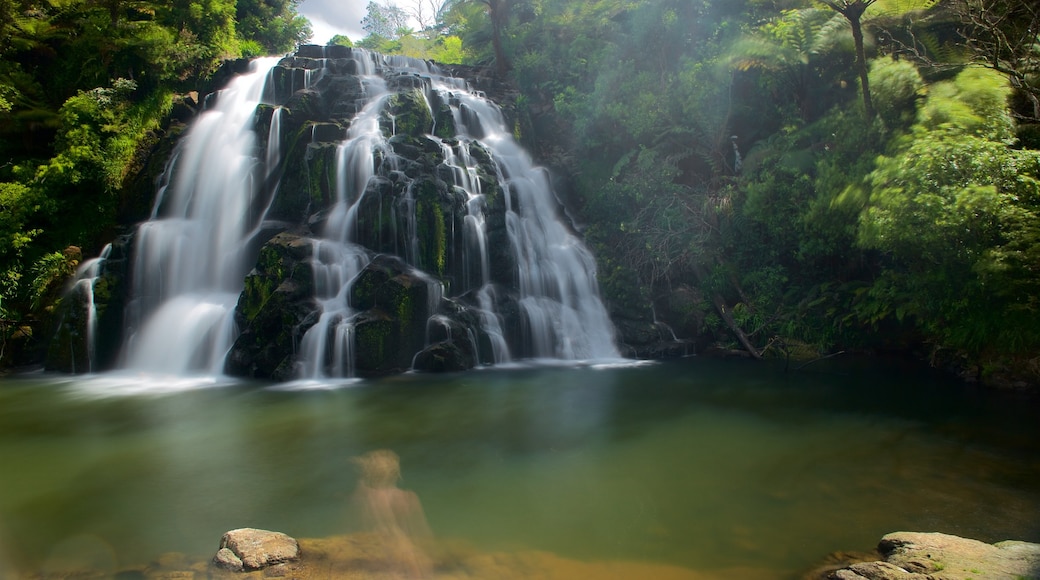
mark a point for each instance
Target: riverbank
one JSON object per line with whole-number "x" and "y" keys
{"x": 370, "y": 556}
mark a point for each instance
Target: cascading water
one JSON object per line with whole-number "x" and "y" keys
{"x": 563, "y": 316}
{"x": 191, "y": 258}
{"x": 556, "y": 273}
{"x": 411, "y": 231}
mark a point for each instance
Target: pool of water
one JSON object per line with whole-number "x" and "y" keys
{"x": 703, "y": 464}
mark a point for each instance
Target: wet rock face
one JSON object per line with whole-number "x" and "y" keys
{"x": 248, "y": 549}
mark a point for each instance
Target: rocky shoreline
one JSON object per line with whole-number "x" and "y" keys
{"x": 252, "y": 554}
{"x": 937, "y": 556}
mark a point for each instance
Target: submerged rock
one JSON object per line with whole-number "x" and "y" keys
{"x": 253, "y": 549}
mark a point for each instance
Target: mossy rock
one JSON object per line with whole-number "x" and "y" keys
{"x": 307, "y": 181}
{"x": 68, "y": 350}
{"x": 376, "y": 224}
{"x": 395, "y": 304}
{"x": 439, "y": 213}
{"x": 274, "y": 309}
{"x": 443, "y": 357}
{"x": 308, "y": 104}
{"x": 285, "y": 79}
{"x": 407, "y": 113}
{"x": 444, "y": 122}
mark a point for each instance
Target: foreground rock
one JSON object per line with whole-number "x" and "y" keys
{"x": 935, "y": 556}
{"x": 251, "y": 549}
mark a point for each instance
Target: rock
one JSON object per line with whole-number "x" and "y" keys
{"x": 274, "y": 309}
{"x": 876, "y": 571}
{"x": 253, "y": 549}
{"x": 228, "y": 560}
{"x": 396, "y": 301}
{"x": 443, "y": 357}
{"x": 936, "y": 556}
{"x": 952, "y": 557}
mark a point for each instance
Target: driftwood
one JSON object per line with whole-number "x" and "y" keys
{"x": 720, "y": 307}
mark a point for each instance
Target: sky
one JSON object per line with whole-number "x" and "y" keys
{"x": 331, "y": 17}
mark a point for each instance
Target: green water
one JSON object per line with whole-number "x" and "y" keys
{"x": 698, "y": 463}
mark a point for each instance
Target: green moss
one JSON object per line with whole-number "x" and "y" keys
{"x": 411, "y": 115}
{"x": 445, "y": 128}
{"x": 405, "y": 308}
{"x": 375, "y": 343}
{"x": 261, "y": 286}
{"x": 431, "y": 229}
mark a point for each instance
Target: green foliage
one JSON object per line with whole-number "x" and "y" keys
{"x": 975, "y": 102}
{"x": 956, "y": 209}
{"x": 340, "y": 40}
{"x": 84, "y": 87}
{"x": 49, "y": 271}
{"x": 18, "y": 205}
{"x": 896, "y": 86}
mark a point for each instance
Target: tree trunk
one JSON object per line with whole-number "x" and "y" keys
{"x": 861, "y": 63}
{"x": 501, "y": 65}
{"x": 853, "y": 11}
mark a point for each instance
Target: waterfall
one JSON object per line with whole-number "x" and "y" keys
{"x": 190, "y": 258}
{"x": 458, "y": 235}
{"x": 556, "y": 273}
{"x": 83, "y": 287}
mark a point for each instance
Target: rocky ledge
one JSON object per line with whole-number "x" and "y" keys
{"x": 935, "y": 556}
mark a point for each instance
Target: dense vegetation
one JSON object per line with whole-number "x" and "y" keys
{"x": 794, "y": 177}
{"x": 85, "y": 88}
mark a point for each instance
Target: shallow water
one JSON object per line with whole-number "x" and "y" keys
{"x": 703, "y": 464}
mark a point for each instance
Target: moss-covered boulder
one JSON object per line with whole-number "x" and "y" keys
{"x": 307, "y": 181}
{"x": 275, "y": 309}
{"x": 407, "y": 113}
{"x": 395, "y": 302}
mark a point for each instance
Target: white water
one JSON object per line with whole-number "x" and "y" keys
{"x": 86, "y": 277}
{"x": 191, "y": 258}
{"x": 564, "y": 317}
{"x": 556, "y": 273}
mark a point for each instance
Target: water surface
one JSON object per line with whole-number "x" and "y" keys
{"x": 704, "y": 464}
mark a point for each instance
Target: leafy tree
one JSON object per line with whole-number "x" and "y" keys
{"x": 273, "y": 24}
{"x": 497, "y": 13}
{"x": 339, "y": 40}
{"x": 955, "y": 207}
{"x": 386, "y": 21}
{"x": 1005, "y": 35}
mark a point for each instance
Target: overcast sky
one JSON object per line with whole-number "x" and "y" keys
{"x": 331, "y": 17}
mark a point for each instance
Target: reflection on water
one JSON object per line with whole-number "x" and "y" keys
{"x": 699, "y": 465}
{"x": 393, "y": 514}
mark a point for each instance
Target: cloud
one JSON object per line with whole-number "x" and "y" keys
{"x": 331, "y": 17}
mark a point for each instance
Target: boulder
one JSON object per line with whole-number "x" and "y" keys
{"x": 444, "y": 357}
{"x": 936, "y": 556}
{"x": 252, "y": 549}
{"x": 876, "y": 571}
{"x": 274, "y": 309}
{"x": 952, "y": 557}
{"x": 396, "y": 302}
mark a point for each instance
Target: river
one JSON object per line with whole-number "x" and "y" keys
{"x": 710, "y": 465}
